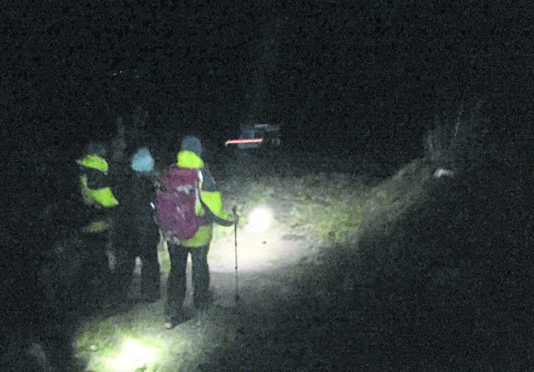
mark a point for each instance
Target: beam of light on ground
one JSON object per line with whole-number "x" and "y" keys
{"x": 132, "y": 356}
{"x": 256, "y": 250}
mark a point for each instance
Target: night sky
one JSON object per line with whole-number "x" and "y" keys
{"x": 368, "y": 70}
{"x": 364, "y": 75}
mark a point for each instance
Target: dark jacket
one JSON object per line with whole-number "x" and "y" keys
{"x": 138, "y": 195}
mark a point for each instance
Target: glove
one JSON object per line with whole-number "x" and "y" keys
{"x": 236, "y": 215}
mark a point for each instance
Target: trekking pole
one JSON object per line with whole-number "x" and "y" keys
{"x": 236, "y": 297}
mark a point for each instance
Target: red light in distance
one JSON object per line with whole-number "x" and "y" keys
{"x": 249, "y": 140}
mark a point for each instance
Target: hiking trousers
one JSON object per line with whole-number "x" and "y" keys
{"x": 137, "y": 238}
{"x": 177, "y": 281}
{"x": 92, "y": 285}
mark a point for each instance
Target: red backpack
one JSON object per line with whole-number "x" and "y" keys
{"x": 178, "y": 195}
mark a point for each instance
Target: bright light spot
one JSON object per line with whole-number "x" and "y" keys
{"x": 133, "y": 355}
{"x": 260, "y": 219}
{"x": 440, "y": 172}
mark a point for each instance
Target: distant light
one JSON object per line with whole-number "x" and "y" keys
{"x": 249, "y": 140}
{"x": 133, "y": 355}
{"x": 442, "y": 172}
{"x": 260, "y": 219}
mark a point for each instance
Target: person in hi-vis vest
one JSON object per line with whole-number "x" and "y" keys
{"x": 99, "y": 201}
{"x": 198, "y": 245}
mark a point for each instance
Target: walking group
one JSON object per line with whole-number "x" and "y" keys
{"x": 131, "y": 206}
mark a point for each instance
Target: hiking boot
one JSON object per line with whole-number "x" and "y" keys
{"x": 202, "y": 307}
{"x": 203, "y": 303}
{"x": 174, "y": 321}
{"x": 149, "y": 298}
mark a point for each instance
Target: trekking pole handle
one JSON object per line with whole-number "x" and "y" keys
{"x": 236, "y": 216}
{"x": 234, "y": 209}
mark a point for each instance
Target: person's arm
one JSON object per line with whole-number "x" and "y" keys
{"x": 96, "y": 179}
{"x": 212, "y": 202}
{"x": 96, "y": 189}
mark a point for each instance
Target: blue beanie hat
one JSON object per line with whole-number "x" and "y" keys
{"x": 142, "y": 161}
{"x": 192, "y": 143}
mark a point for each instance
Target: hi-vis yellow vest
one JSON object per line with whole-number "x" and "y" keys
{"x": 99, "y": 198}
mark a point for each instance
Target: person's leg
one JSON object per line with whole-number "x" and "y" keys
{"x": 122, "y": 248}
{"x": 150, "y": 274}
{"x": 201, "y": 277}
{"x": 176, "y": 284}
{"x": 123, "y": 270}
{"x": 95, "y": 275}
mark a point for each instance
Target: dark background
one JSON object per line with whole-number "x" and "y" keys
{"x": 374, "y": 72}
{"x": 359, "y": 75}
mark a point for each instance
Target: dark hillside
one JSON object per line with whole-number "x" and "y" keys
{"x": 451, "y": 285}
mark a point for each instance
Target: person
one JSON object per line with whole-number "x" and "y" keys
{"x": 99, "y": 201}
{"x": 197, "y": 246}
{"x": 136, "y": 233}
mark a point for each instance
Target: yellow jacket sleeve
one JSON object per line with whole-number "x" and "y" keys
{"x": 213, "y": 201}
